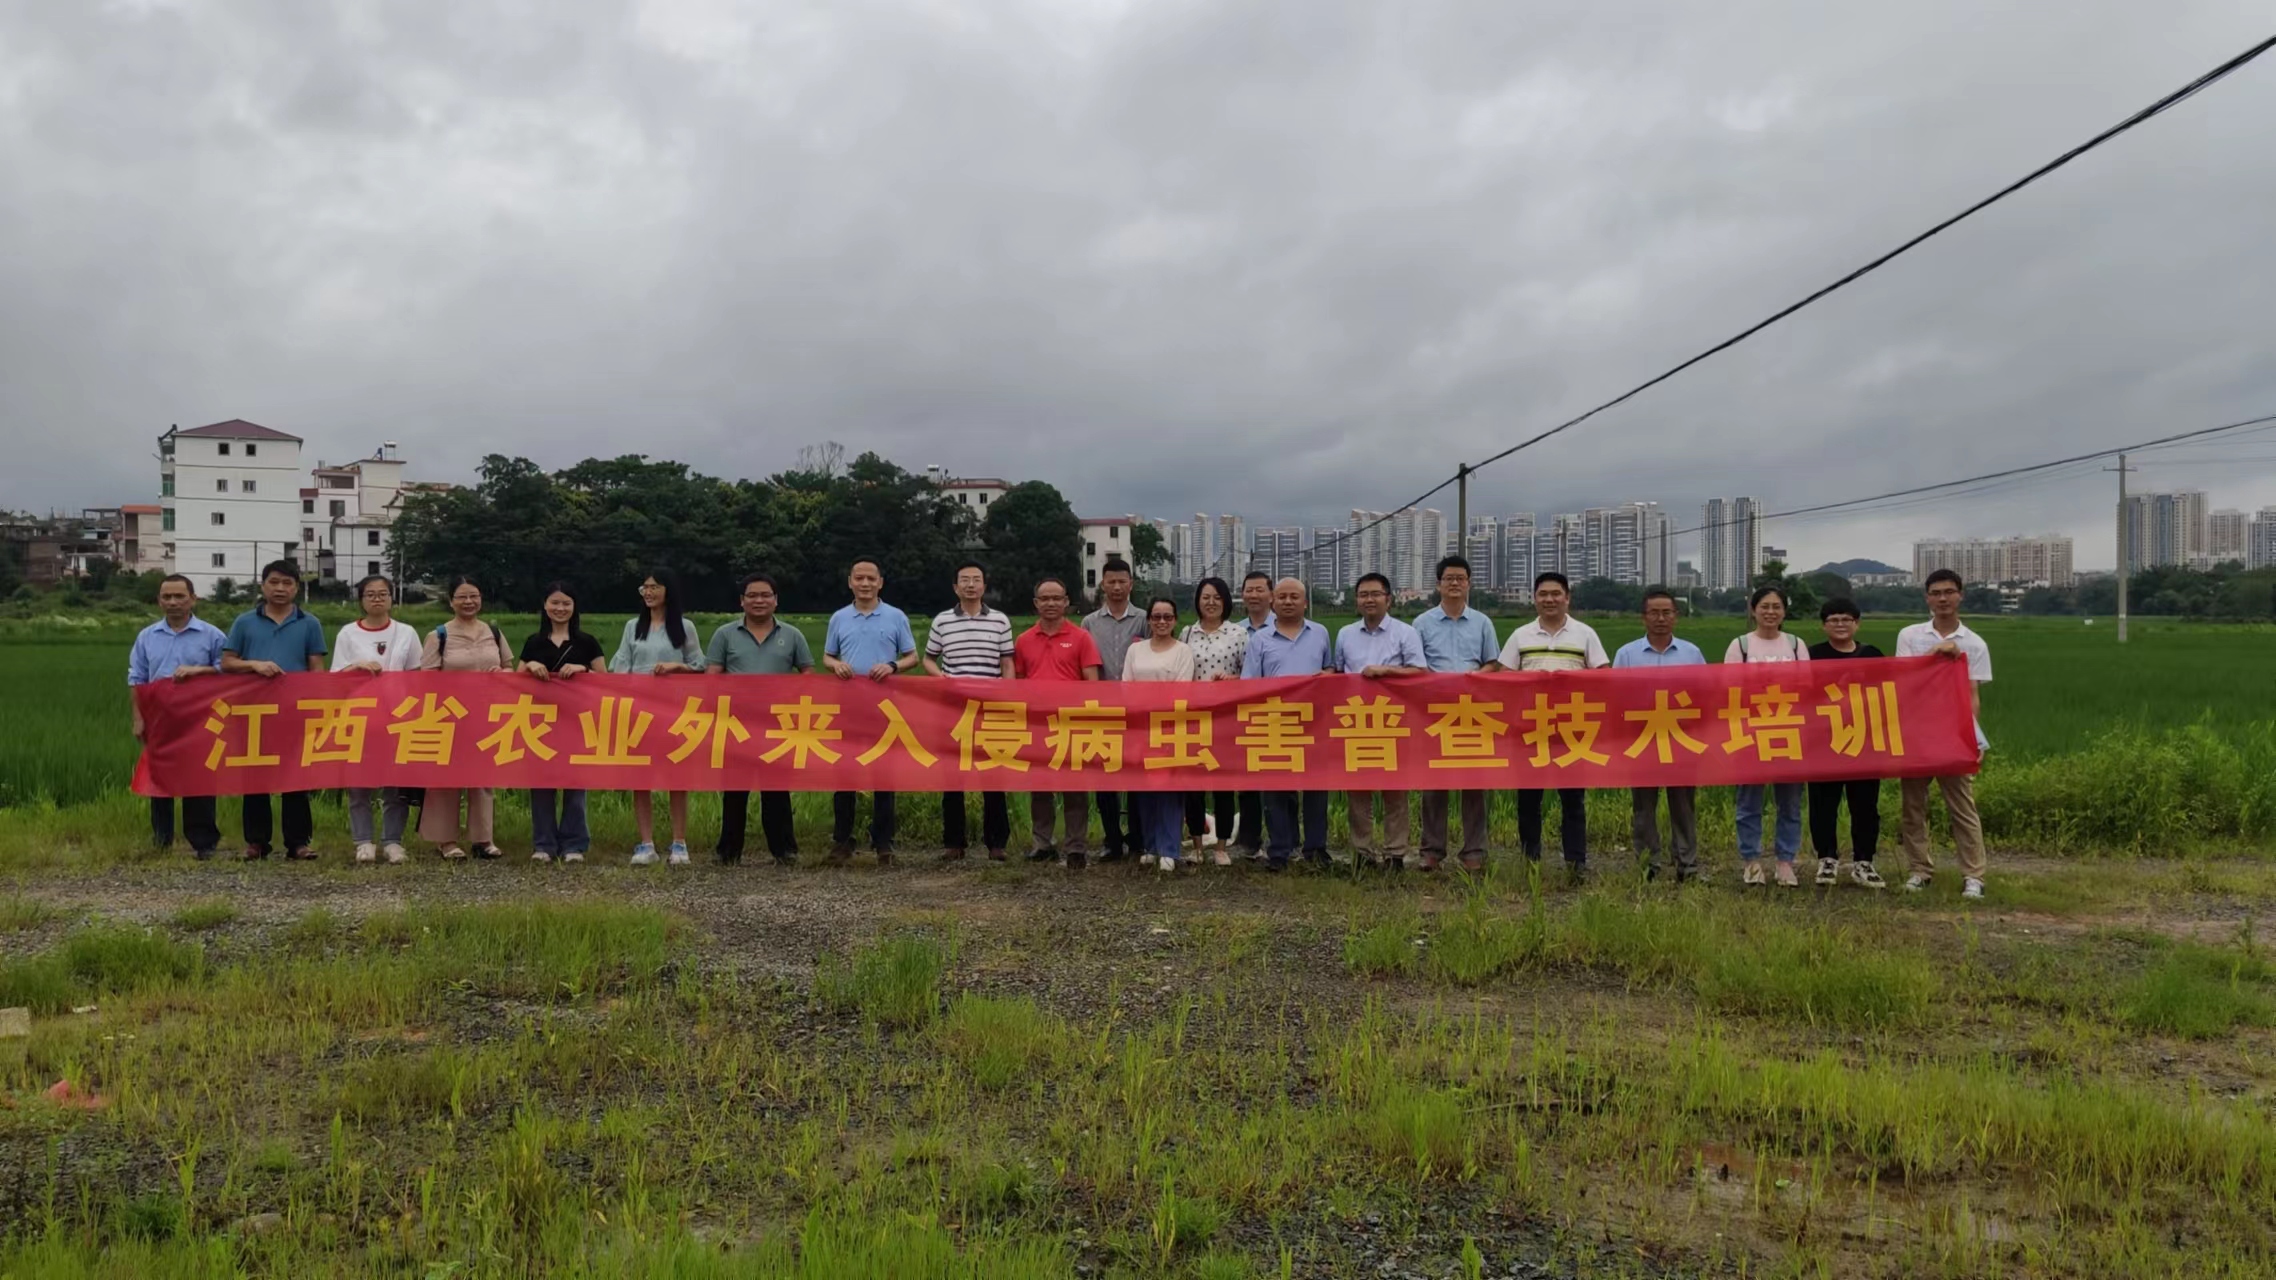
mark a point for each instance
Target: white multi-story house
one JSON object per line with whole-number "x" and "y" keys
{"x": 228, "y": 501}
{"x": 976, "y": 494}
{"x": 1104, "y": 538}
{"x": 346, "y": 519}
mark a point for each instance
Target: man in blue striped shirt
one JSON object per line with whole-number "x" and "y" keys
{"x": 975, "y": 642}
{"x": 1660, "y": 647}
{"x": 179, "y": 646}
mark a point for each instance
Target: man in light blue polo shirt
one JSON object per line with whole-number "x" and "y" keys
{"x": 1293, "y": 645}
{"x": 278, "y": 637}
{"x": 1376, "y": 646}
{"x": 1456, "y": 638}
{"x": 869, "y": 639}
{"x": 1660, "y": 647}
{"x": 179, "y": 646}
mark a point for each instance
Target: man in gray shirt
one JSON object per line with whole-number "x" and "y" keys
{"x": 1113, "y": 626}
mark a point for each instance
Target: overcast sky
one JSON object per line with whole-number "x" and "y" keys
{"x": 1280, "y": 258}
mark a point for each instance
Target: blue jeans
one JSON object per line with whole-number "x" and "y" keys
{"x": 565, "y": 834}
{"x": 1161, "y": 821}
{"x": 1788, "y": 835}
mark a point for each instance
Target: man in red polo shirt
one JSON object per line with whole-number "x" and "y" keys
{"x": 1053, "y": 649}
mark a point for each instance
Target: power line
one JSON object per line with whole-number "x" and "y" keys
{"x": 1946, "y": 488}
{"x": 2146, "y": 114}
{"x": 2150, "y": 112}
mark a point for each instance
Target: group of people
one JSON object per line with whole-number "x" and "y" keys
{"x": 1262, "y": 632}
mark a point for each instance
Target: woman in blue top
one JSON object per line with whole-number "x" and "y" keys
{"x": 657, "y": 641}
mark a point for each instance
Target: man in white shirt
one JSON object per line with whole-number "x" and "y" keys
{"x": 1945, "y": 634}
{"x": 1554, "y": 641}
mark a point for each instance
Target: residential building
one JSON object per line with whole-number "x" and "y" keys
{"x": 975, "y": 493}
{"x": 2164, "y": 529}
{"x": 2043, "y": 561}
{"x": 1899, "y": 579}
{"x": 346, "y": 519}
{"x": 1326, "y": 563}
{"x": 2226, "y": 533}
{"x": 1514, "y": 570}
{"x": 1277, "y": 552}
{"x": 141, "y": 538}
{"x": 2260, "y": 540}
{"x": 1730, "y": 534}
{"x": 228, "y": 503}
{"x": 1104, "y": 538}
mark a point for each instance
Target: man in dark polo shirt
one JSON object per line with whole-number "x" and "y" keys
{"x": 758, "y": 644}
{"x": 1114, "y": 626}
{"x": 278, "y": 637}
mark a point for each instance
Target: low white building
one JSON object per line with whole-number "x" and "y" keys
{"x": 1104, "y": 538}
{"x": 228, "y": 501}
{"x": 976, "y": 494}
{"x": 346, "y": 519}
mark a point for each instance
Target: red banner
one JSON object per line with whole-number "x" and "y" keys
{"x": 1673, "y": 726}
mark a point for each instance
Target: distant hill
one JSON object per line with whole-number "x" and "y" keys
{"x": 1851, "y": 568}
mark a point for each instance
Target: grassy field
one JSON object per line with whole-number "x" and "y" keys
{"x": 512, "y": 1070}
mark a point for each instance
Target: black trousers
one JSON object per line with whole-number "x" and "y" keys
{"x": 1113, "y": 837}
{"x": 1572, "y": 822}
{"x": 995, "y": 821}
{"x": 1864, "y": 796}
{"x": 1200, "y": 803}
{"x": 880, "y": 819}
{"x": 774, "y": 824}
{"x": 1252, "y": 821}
{"x": 299, "y": 824}
{"x": 199, "y": 822}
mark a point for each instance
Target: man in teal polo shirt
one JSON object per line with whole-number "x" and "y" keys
{"x": 871, "y": 640}
{"x": 278, "y": 637}
{"x": 758, "y": 644}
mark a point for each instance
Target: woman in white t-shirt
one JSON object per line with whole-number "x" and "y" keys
{"x": 1769, "y": 642}
{"x": 376, "y": 642}
{"x": 1159, "y": 656}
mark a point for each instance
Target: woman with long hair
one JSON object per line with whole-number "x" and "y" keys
{"x": 467, "y": 642}
{"x": 658, "y": 641}
{"x": 1769, "y": 642}
{"x": 560, "y": 649}
{"x": 1218, "y": 644}
{"x": 1159, "y": 655}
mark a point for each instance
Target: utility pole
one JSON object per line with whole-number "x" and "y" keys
{"x": 1462, "y": 511}
{"x": 2125, "y": 544}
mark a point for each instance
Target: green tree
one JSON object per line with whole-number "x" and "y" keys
{"x": 1801, "y": 597}
{"x": 1148, "y": 549}
{"x": 1604, "y": 595}
{"x": 1032, "y": 532}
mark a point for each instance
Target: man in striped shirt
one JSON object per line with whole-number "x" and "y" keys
{"x": 975, "y": 642}
{"x": 1554, "y": 641}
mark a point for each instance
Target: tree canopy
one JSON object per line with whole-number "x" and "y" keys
{"x": 603, "y": 524}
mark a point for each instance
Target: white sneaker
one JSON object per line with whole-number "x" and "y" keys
{"x": 1829, "y": 871}
{"x": 540, "y": 855}
{"x": 1917, "y": 881}
{"x": 1221, "y": 857}
{"x": 1145, "y": 859}
{"x": 1166, "y": 864}
{"x": 395, "y": 854}
{"x": 1754, "y": 872}
{"x": 679, "y": 854}
{"x": 366, "y": 853}
{"x": 1862, "y": 873}
{"x": 1786, "y": 878}
{"x": 644, "y": 854}
{"x": 572, "y": 856}
{"x": 1208, "y": 839}
{"x": 1972, "y": 888}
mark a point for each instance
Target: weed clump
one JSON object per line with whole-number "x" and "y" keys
{"x": 2200, "y": 992}
{"x": 894, "y": 981}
